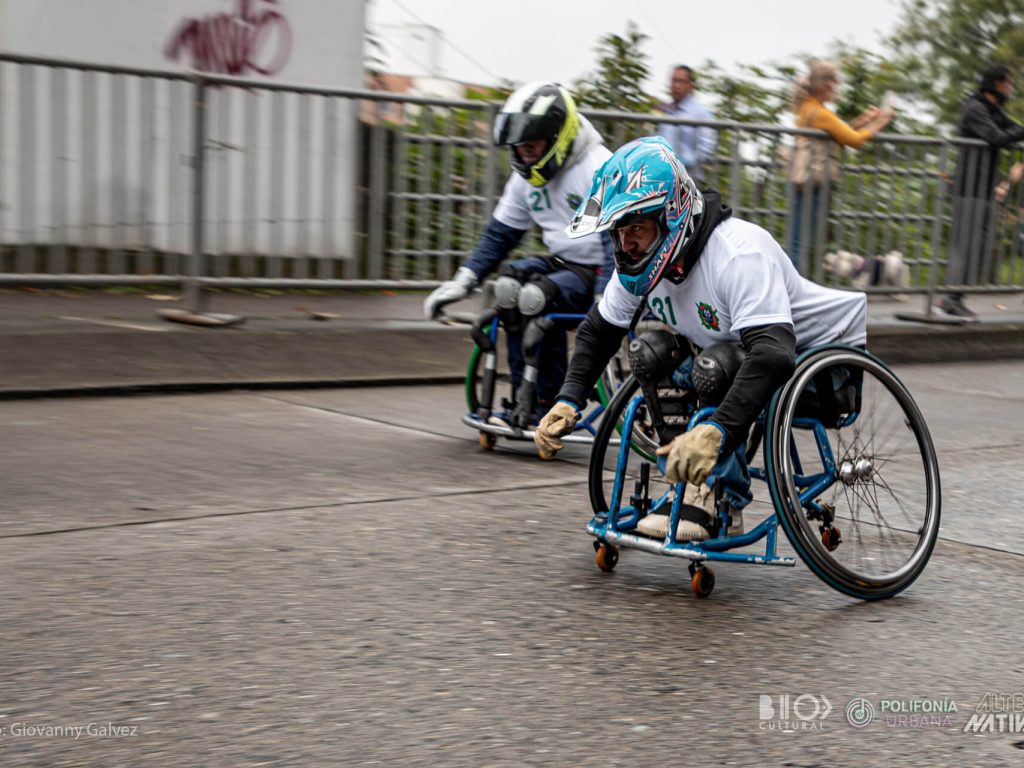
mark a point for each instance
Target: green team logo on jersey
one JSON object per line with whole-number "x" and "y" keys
{"x": 708, "y": 316}
{"x": 573, "y": 200}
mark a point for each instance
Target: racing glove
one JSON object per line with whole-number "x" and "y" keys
{"x": 693, "y": 454}
{"x": 464, "y": 281}
{"x": 557, "y": 422}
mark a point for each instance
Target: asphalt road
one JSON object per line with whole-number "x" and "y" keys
{"x": 343, "y": 577}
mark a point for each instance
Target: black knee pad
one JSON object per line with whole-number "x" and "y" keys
{"x": 655, "y": 354}
{"x": 714, "y": 370}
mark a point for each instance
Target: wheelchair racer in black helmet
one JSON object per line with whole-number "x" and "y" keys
{"x": 554, "y": 152}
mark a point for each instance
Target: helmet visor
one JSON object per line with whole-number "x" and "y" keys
{"x": 513, "y": 128}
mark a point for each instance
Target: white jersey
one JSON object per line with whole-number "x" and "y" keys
{"x": 742, "y": 280}
{"x": 552, "y": 206}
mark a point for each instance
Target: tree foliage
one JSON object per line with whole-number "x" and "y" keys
{"x": 943, "y": 45}
{"x": 622, "y": 69}
{"x": 932, "y": 59}
{"x": 758, "y": 94}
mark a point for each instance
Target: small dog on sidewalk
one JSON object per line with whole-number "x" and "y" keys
{"x": 864, "y": 271}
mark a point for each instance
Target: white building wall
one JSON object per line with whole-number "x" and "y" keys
{"x": 440, "y": 88}
{"x": 408, "y": 49}
{"x": 85, "y": 161}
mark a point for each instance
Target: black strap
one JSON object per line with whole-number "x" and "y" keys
{"x": 585, "y": 272}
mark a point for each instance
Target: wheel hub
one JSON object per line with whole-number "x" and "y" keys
{"x": 864, "y": 468}
{"x": 850, "y": 471}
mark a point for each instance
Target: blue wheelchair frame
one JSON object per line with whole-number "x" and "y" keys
{"x": 585, "y": 429}
{"x": 796, "y": 489}
{"x": 617, "y": 524}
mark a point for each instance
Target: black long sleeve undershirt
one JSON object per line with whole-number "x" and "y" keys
{"x": 770, "y": 362}
{"x": 596, "y": 342}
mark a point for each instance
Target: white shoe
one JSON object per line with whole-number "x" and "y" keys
{"x": 656, "y": 526}
{"x": 704, "y": 497}
{"x": 653, "y": 525}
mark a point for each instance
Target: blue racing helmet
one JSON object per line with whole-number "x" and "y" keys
{"x": 644, "y": 179}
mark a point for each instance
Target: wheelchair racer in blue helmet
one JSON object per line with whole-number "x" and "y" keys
{"x": 709, "y": 277}
{"x": 623, "y": 197}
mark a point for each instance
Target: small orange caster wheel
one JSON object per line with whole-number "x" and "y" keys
{"x": 702, "y": 580}
{"x": 488, "y": 441}
{"x": 607, "y": 556}
{"x": 831, "y": 538}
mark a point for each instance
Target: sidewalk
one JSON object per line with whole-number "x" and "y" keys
{"x": 76, "y": 341}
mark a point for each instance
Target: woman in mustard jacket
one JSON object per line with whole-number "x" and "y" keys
{"x": 815, "y": 161}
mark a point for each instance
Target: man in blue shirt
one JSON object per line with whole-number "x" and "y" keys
{"x": 694, "y": 145}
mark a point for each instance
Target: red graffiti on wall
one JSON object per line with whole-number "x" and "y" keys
{"x": 256, "y": 39}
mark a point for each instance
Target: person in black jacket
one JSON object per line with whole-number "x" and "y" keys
{"x": 977, "y": 174}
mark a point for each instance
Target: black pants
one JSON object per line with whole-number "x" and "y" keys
{"x": 971, "y": 241}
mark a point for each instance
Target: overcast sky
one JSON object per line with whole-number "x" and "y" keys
{"x": 524, "y": 40}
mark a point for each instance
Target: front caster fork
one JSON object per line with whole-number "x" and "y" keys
{"x": 831, "y": 537}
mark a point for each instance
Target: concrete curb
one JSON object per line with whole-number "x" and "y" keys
{"x": 105, "y": 345}
{"x": 976, "y": 341}
{"x": 121, "y": 361}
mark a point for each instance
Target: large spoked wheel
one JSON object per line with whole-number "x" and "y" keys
{"x": 605, "y": 451}
{"x": 614, "y": 376}
{"x": 474, "y": 370}
{"x": 870, "y": 518}
{"x": 472, "y": 380}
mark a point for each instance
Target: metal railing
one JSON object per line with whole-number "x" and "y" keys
{"x": 113, "y": 175}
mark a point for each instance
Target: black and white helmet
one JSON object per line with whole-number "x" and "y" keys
{"x": 538, "y": 111}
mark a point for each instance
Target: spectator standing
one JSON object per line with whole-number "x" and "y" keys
{"x": 975, "y": 187}
{"x": 693, "y": 144}
{"x": 815, "y": 161}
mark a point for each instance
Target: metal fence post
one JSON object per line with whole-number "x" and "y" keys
{"x": 941, "y": 193}
{"x": 491, "y": 167}
{"x": 195, "y": 299}
{"x": 377, "y": 207}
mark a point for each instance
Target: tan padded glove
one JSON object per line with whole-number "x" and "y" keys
{"x": 693, "y": 454}
{"x": 557, "y": 422}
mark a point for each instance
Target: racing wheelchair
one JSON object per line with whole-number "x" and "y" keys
{"x": 512, "y": 417}
{"x": 850, "y": 467}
